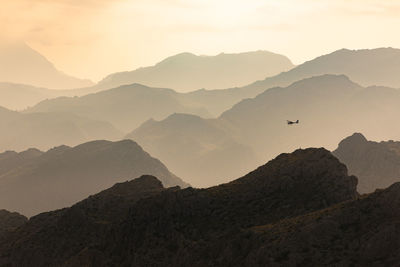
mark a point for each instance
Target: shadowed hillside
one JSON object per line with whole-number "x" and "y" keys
{"x": 64, "y": 175}
{"x": 156, "y": 227}
{"x": 9, "y": 221}
{"x": 377, "y": 165}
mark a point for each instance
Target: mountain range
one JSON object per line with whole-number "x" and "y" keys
{"x": 377, "y": 165}
{"x": 188, "y": 72}
{"x": 199, "y": 149}
{"x": 142, "y": 224}
{"x": 329, "y": 108}
{"x": 21, "y": 64}
{"x": 45, "y": 130}
{"x": 125, "y": 107}
{"x": 33, "y": 181}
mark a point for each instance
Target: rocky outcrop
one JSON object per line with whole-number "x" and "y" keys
{"x": 126, "y": 226}
{"x": 377, "y": 165}
{"x": 9, "y": 221}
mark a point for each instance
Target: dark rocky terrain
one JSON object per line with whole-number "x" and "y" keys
{"x": 63, "y": 175}
{"x": 377, "y": 165}
{"x": 9, "y": 221}
{"x": 139, "y": 223}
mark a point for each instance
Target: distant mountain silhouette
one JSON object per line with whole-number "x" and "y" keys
{"x": 64, "y": 175}
{"x": 21, "y": 64}
{"x": 139, "y": 223}
{"x": 126, "y": 107}
{"x": 366, "y": 67}
{"x": 377, "y": 165}
{"x": 329, "y": 108}
{"x": 187, "y": 72}
{"x": 45, "y": 130}
{"x": 198, "y": 149}
{"x": 9, "y": 221}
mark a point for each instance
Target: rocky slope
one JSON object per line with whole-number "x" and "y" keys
{"x": 9, "y": 221}
{"x": 364, "y": 232}
{"x": 377, "y": 165}
{"x": 65, "y": 175}
{"x": 181, "y": 227}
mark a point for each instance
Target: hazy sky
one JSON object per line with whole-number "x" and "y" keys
{"x": 92, "y": 38}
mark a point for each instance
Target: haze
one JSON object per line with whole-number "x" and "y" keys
{"x": 90, "y": 39}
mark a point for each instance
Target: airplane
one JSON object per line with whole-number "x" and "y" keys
{"x": 292, "y": 122}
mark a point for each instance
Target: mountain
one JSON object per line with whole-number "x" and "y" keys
{"x": 187, "y": 72}
{"x": 139, "y": 223}
{"x": 19, "y": 96}
{"x": 355, "y": 233}
{"x": 21, "y": 64}
{"x": 362, "y": 66}
{"x": 45, "y": 130}
{"x": 329, "y": 108}
{"x": 126, "y": 107}
{"x": 366, "y": 67}
{"x": 377, "y": 165}
{"x": 9, "y": 221}
{"x": 65, "y": 175}
{"x": 195, "y": 148}
{"x": 10, "y": 159}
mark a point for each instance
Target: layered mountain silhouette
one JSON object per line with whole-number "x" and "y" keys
{"x": 187, "y": 72}
{"x": 126, "y": 107}
{"x": 64, "y": 175}
{"x": 366, "y": 67}
{"x": 21, "y": 64}
{"x": 9, "y": 221}
{"x": 45, "y": 130}
{"x": 142, "y": 224}
{"x": 329, "y": 107}
{"x": 19, "y": 96}
{"x": 198, "y": 149}
{"x": 377, "y": 165}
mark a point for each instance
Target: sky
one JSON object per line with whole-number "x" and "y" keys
{"x": 93, "y": 38}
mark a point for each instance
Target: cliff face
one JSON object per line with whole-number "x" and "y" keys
{"x": 139, "y": 223}
{"x": 377, "y": 165}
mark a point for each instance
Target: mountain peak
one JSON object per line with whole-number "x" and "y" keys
{"x": 19, "y": 63}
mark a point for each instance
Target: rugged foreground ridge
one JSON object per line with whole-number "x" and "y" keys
{"x": 140, "y": 223}
{"x": 32, "y": 181}
{"x": 377, "y": 165}
{"x": 10, "y": 221}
